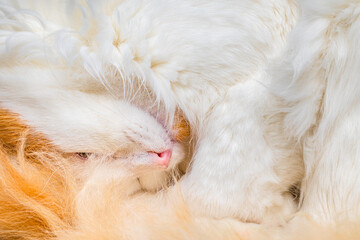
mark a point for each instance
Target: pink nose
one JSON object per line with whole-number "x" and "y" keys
{"x": 163, "y": 158}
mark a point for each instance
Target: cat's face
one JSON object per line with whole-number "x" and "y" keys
{"x": 111, "y": 138}
{"x": 130, "y": 143}
{"x": 127, "y": 135}
{"x": 87, "y": 122}
{"x": 85, "y": 119}
{"x": 132, "y": 139}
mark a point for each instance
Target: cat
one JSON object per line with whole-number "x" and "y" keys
{"x": 149, "y": 155}
{"x": 207, "y": 59}
{"x": 71, "y": 69}
{"x": 317, "y": 79}
{"x": 40, "y": 199}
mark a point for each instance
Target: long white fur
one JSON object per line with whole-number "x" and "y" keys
{"x": 187, "y": 54}
{"x": 319, "y": 81}
{"x": 208, "y": 59}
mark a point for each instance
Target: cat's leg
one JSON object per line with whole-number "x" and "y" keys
{"x": 235, "y": 171}
{"x": 331, "y": 188}
{"x": 322, "y": 87}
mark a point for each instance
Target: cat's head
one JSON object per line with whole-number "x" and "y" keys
{"x": 91, "y": 124}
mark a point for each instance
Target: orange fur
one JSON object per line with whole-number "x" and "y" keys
{"x": 36, "y": 202}
{"x": 36, "y": 192}
{"x": 35, "y": 199}
{"x": 39, "y": 200}
{"x": 181, "y": 128}
{"x": 13, "y": 130}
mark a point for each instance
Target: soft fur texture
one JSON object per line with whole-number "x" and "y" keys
{"x": 73, "y": 79}
{"x": 42, "y": 200}
{"x": 133, "y": 158}
{"x": 318, "y": 80}
{"x": 84, "y": 62}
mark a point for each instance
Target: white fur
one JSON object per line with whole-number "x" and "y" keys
{"x": 67, "y": 62}
{"x": 319, "y": 81}
{"x": 113, "y": 130}
{"x": 251, "y": 172}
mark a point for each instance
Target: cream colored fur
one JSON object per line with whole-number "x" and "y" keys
{"x": 318, "y": 79}
{"x": 88, "y": 73}
{"x": 254, "y": 126}
{"x": 41, "y": 200}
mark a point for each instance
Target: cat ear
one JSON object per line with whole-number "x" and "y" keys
{"x": 181, "y": 128}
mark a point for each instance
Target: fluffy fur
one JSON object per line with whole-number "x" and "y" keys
{"x": 318, "y": 82}
{"x": 130, "y": 159}
{"x": 214, "y": 72}
{"x": 37, "y": 190}
{"x": 90, "y": 59}
{"x": 43, "y": 200}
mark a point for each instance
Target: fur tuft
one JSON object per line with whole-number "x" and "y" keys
{"x": 36, "y": 198}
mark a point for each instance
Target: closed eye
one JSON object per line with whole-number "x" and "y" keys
{"x": 83, "y": 155}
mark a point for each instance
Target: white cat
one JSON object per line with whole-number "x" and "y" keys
{"x": 64, "y": 64}
{"x": 318, "y": 80}
{"x": 123, "y": 140}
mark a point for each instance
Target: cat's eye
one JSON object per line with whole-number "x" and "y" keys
{"x": 83, "y": 155}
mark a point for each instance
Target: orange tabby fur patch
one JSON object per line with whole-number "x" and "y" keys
{"x": 36, "y": 202}
{"x": 36, "y": 192}
{"x": 13, "y": 130}
{"x": 36, "y": 199}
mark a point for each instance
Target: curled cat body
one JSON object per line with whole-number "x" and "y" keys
{"x": 74, "y": 70}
